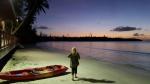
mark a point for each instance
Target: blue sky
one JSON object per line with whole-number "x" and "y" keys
{"x": 81, "y": 17}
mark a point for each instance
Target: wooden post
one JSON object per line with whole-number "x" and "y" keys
{"x": 0, "y": 38}
{"x": 0, "y": 35}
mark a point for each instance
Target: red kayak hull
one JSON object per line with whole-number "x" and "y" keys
{"x": 33, "y": 73}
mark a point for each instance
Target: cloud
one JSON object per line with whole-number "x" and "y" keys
{"x": 42, "y": 27}
{"x": 122, "y": 29}
{"x": 137, "y": 34}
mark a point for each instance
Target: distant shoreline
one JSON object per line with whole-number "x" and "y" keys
{"x": 84, "y": 39}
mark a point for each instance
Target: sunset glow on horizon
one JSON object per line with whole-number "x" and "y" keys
{"x": 96, "y": 17}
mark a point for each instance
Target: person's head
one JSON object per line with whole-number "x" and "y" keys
{"x": 73, "y": 50}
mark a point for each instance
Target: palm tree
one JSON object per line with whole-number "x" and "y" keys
{"x": 32, "y": 7}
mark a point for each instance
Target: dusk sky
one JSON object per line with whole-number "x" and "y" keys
{"x": 99, "y": 17}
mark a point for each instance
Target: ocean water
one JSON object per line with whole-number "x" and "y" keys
{"x": 136, "y": 54}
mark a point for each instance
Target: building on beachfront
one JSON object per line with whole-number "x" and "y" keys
{"x": 7, "y": 21}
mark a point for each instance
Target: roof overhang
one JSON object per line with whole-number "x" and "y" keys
{"x": 6, "y": 10}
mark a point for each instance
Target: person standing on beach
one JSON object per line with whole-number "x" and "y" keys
{"x": 74, "y": 61}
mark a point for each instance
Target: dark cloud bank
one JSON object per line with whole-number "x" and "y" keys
{"x": 122, "y": 29}
{"x": 42, "y": 27}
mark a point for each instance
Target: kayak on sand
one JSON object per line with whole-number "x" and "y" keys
{"x": 33, "y": 73}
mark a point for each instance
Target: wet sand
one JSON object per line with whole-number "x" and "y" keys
{"x": 90, "y": 71}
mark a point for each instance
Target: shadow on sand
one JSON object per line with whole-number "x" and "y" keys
{"x": 9, "y": 82}
{"x": 92, "y": 80}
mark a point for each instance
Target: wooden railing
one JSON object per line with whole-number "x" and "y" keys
{"x": 7, "y": 47}
{"x": 7, "y": 40}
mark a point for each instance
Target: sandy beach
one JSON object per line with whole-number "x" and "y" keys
{"x": 90, "y": 71}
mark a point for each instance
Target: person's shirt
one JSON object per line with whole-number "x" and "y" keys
{"x": 74, "y": 59}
